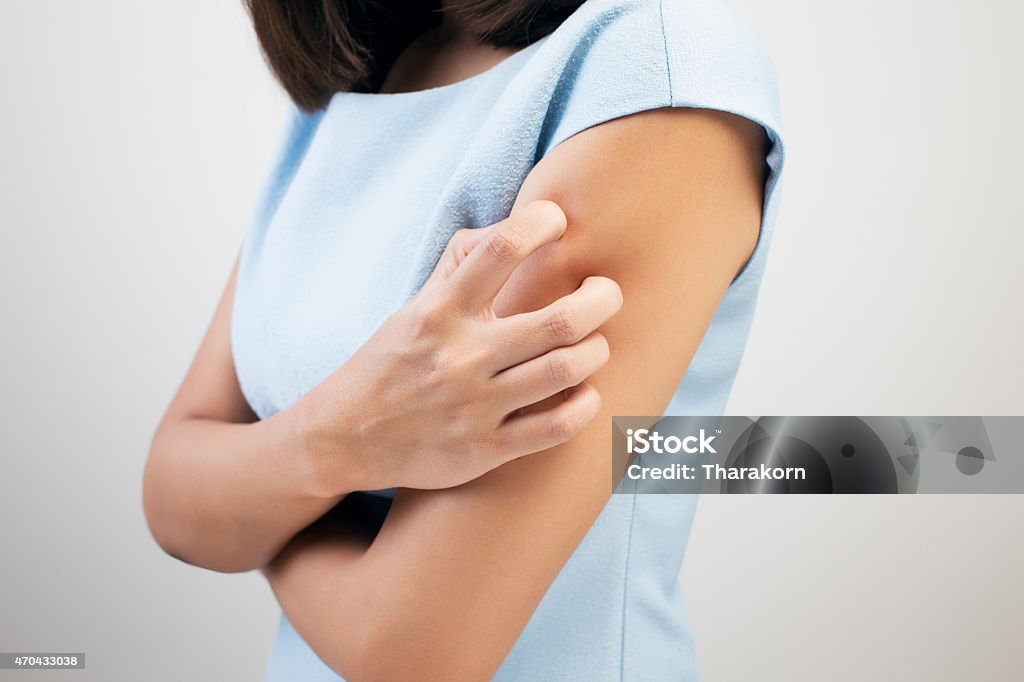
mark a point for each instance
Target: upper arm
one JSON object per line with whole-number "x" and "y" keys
{"x": 210, "y": 389}
{"x": 668, "y": 203}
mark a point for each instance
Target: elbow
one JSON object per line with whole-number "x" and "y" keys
{"x": 210, "y": 561}
{"x": 156, "y": 509}
{"x": 173, "y": 542}
{"x": 172, "y": 529}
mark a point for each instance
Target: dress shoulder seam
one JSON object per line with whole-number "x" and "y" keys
{"x": 664, "y": 43}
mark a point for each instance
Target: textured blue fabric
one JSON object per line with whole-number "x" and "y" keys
{"x": 368, "y": 191}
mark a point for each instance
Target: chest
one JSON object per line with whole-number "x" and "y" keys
{"x": 379, "y": 191}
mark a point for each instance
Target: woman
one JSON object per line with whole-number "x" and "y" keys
{"x": 624, "y": 154}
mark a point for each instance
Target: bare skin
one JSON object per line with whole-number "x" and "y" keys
{"x": 668, "y": 204}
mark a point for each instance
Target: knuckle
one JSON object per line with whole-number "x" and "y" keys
{"x": 564, "y": 325}
{"x": 505, "y": 244}
{"x": 475, "y": 359}
{"x": 462, "y": 365}
{"x": 425, "y": 319}
{"x": 562, "y": 426}
{"x": 459, "y": 242}
{"x": 485, "y": 446}
{"x": 562, "y": 368}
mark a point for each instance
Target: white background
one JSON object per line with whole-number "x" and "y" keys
{"x": 133, "y": 140}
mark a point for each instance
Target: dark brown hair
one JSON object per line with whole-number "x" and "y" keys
{"x": 318, "y": 47}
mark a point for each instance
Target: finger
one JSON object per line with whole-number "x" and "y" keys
{"x": 529, "y": 335}
{"x": 458, "y": 248}
{"x": 553, "y": 372}
{"x": 536, "y": 431}
{"x": 479, "y": 278}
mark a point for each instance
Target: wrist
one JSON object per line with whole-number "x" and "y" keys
{"x": 332, "y": 464}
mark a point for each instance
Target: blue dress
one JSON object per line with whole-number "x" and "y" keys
{"x": 362, "y": 200}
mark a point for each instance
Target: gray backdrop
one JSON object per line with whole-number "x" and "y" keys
{"x": 134, "y": 138}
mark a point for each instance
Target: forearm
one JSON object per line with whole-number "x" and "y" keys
{"x": 373, "y": 614}
{"x": 228, "y": 496}
{"x": 386, "y": 611}
{"x": 318, "y": 582}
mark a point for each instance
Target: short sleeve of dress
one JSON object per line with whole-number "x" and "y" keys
{"x": 622, "y": 57}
